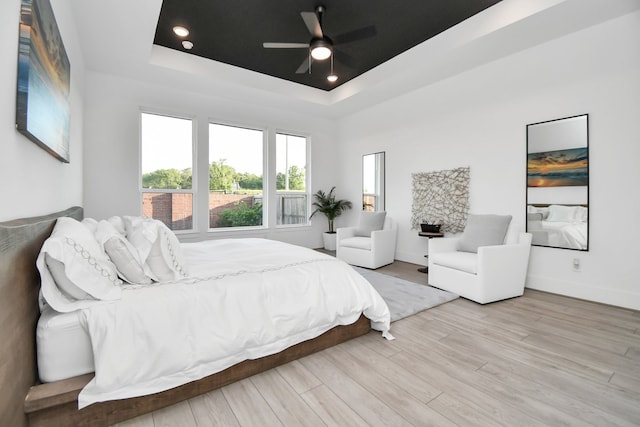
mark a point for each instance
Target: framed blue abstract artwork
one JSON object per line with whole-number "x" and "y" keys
{"x": 43, "y": 112}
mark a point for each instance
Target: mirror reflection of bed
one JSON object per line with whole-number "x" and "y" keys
{"x": 562, "y": 226}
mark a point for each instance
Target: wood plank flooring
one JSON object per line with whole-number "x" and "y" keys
{"x": 537, "y": 360}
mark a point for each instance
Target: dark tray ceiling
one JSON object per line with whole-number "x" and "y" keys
{"x": 232, "y": 32}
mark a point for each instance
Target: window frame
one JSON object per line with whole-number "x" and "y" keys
{"x": 265, "y": 176}
{"x": 200, "y": 145}
{"x": 194, "y": 167}
{"x": 307, "y": 177}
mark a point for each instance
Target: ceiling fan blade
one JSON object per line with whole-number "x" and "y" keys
{"x": 275, "y": 45}
{"x": 304, "y": 67}
{"x": 312, "y": 23}
{"x": 346, "y": 59}
{"x": 355, "y": 35}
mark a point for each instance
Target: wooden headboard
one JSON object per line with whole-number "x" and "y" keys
{"x": 20, "y": 243}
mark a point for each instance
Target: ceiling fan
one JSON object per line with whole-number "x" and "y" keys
{"x": 321, "y": 46}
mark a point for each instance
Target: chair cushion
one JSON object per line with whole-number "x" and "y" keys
{"x": 483, "y": 230}
{"x": 357, "y": 243}
{"x": 370, "y": 221}
{"x": 463, "y": 261}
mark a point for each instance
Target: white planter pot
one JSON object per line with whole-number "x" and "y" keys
{"x": 329, "y": 241}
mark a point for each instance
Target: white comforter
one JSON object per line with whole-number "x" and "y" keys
{"x": 566, "y": 234}
{"x": 245, "y": 299}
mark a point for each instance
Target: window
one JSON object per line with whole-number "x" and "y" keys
{"x": 291, "y": 179}
{"x": 235, "y": 176}
{"x": 234, "y": 194}
{"x": 167, "y": 169}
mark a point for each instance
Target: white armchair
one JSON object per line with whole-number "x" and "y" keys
{"x": 495, "y": 272}
{"x": 356, "y": 248}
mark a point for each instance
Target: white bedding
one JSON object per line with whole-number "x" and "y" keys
{"x": 566, "y": 234}
{"x": 63, "y": 346}
{"x": 563, "y": 226}
{"x": 244, "y": 299}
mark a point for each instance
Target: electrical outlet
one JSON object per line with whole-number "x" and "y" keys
{"x": 576, "y": 264}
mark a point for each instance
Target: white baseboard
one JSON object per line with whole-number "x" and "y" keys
{"x": 584, "y": 291}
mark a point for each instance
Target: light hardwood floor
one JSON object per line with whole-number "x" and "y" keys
{"x": 537, "y": 360}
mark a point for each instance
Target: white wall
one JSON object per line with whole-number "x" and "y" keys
{"x": 478, "y": 119}
{"x": 112, "y": 144}
{"x": 33, "y": 181}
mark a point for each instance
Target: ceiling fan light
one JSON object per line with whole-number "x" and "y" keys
{"x": 180, "y": 31}
{"x": 332, "y": 78}
{"x": 320, "y": 49}
{"x": 320, "y": 53}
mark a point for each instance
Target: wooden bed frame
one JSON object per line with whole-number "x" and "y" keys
{"x": 24, "y": 401}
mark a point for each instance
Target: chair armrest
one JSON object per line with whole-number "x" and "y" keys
{"x": 443, "y": 244}
{"x": 501, "y": 251}
{"x": 492, "y": 259}
{"x": 345, "y": 233}
{"x": 384, "y": 237}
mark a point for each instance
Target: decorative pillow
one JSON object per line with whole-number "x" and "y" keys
{"x": 91, "y": 224}
{"x": 56, "y": 268}
{"x": 561, "y": 213}
{"x": 534, "y": 217}
{"x": 158, "y": 246}
{"x": 118, "y": 224}
{"x": 142, "y": 233}
{"x": 582, "y": 214}
{"x": 370, "y": 221}
{"x": 122, "y": 253}
{"x": 74, "y": 270}
{"x": 484, "y": 230}
{"x": 541, "y": 210}
{"x": 534, "y": 221}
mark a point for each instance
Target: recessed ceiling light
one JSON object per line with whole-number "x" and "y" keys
{"x": 332, "y": 78}
{"x": 187, "y": 44}
{"x": 180, "y": 31}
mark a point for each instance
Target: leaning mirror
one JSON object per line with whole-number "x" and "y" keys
{"x": 373, "y": 182}
{"x": 558, "y": 183}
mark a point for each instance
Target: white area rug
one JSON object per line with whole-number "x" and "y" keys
{"x": 403, "y": 297}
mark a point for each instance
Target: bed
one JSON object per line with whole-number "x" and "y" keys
{"x": 56, "y": 402}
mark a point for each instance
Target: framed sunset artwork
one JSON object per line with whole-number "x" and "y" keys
{"x": 558, "y": 168}
{"x": 42, "y": 111}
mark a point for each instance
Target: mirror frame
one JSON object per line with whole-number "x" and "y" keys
{"x": 563, "y": 193}
{"x": 379, "y": 179}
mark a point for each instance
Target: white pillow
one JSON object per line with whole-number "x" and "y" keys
{"x": 370, "y": 221}
{"x": 90, "y": 223}
{"x": 56, "y": 268}
{"x": 483, "y": 230}
{"x": 561, "y": 213}
{"x": 542, "y": 210}
{"x": 157, "y": 246}
{"x": 142, "y": 233}
{"x": 122, "y": 253}
{"x": 582, "y": 214}
{"x": 74, "y": 270}
{"x": 118, "y": 224}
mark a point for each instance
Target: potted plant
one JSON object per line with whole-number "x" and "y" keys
{"x": 327, "y": 204}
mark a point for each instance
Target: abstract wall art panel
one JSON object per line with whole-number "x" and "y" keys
{"x": 441, "y": 197}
